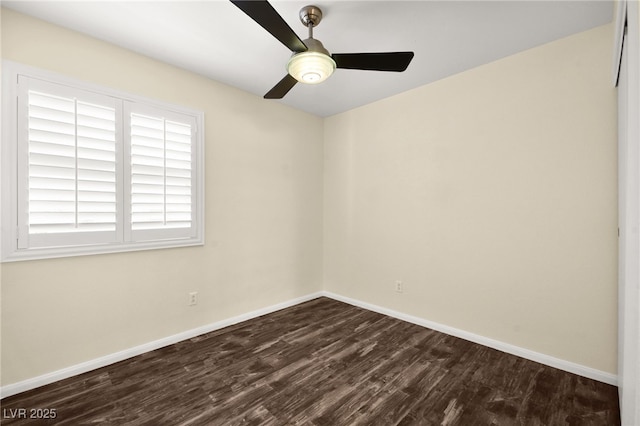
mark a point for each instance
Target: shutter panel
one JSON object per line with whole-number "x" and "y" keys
{"x": 178, "y": 173}
{"x": 147, "y": 172}
{"x": 72, "y": 165}
{"x": 161, "y": 174}
{"x": 52, "y": 163}
{"x": 96, "y": 158}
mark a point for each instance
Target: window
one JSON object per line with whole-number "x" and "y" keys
{"x": 90, "y": 170}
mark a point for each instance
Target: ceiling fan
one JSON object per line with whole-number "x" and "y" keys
{"x": 311, "y": 63}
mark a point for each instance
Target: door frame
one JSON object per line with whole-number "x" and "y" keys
{"x": 627, "y": 40}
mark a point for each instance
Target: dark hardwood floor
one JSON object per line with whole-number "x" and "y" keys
{"x": 323, "y": 363}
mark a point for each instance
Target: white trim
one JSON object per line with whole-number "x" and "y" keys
{"x": 560, "y": 364}
{"x": 106, "y": 360}
{"x": 621, "y": 17}
{"x": 629, "y": 197}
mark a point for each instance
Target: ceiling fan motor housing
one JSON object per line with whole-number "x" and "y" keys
{"x": 312, "y": 66}
{"x": 314, "y": 45}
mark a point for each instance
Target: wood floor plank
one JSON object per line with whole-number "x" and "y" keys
{"x": 323, "y": 363}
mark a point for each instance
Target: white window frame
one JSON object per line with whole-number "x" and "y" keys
{"x": 14, "y": 166}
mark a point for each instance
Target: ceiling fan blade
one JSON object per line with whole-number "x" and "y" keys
{"x": 264, "y": 14}
{"x": 386, "y": 61}
{"x": 282, "y": 88}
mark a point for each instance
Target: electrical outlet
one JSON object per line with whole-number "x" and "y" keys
{"x": 399, "y": 286}
{"x": 193, "y": 298}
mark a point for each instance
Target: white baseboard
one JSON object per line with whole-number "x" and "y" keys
{"x": 84, "y": 367}
{"x": 93, "y": 364}
{"x": 560, "y": 364}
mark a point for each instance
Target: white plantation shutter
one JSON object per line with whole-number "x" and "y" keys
{"x": 88, "y": 169}
{"x": 71, "y": 148}
{"x": 161, "y": 173}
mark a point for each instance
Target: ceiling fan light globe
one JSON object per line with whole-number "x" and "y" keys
{"x": 311, "y": 67}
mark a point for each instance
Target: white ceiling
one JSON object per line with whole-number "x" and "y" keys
{"x": 217, "y": 40}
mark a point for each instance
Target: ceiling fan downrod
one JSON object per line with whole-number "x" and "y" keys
{"x": 310, "y": 16}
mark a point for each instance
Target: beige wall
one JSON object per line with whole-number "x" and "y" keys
{"x": 263, "y": 220}
{"x": 492, "y": 195}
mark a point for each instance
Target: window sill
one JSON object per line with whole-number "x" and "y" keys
{"x": 60, "y": 252}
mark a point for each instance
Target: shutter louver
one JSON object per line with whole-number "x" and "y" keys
{"x": 161, "y": 180}
{"x": 72, "y": 165}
